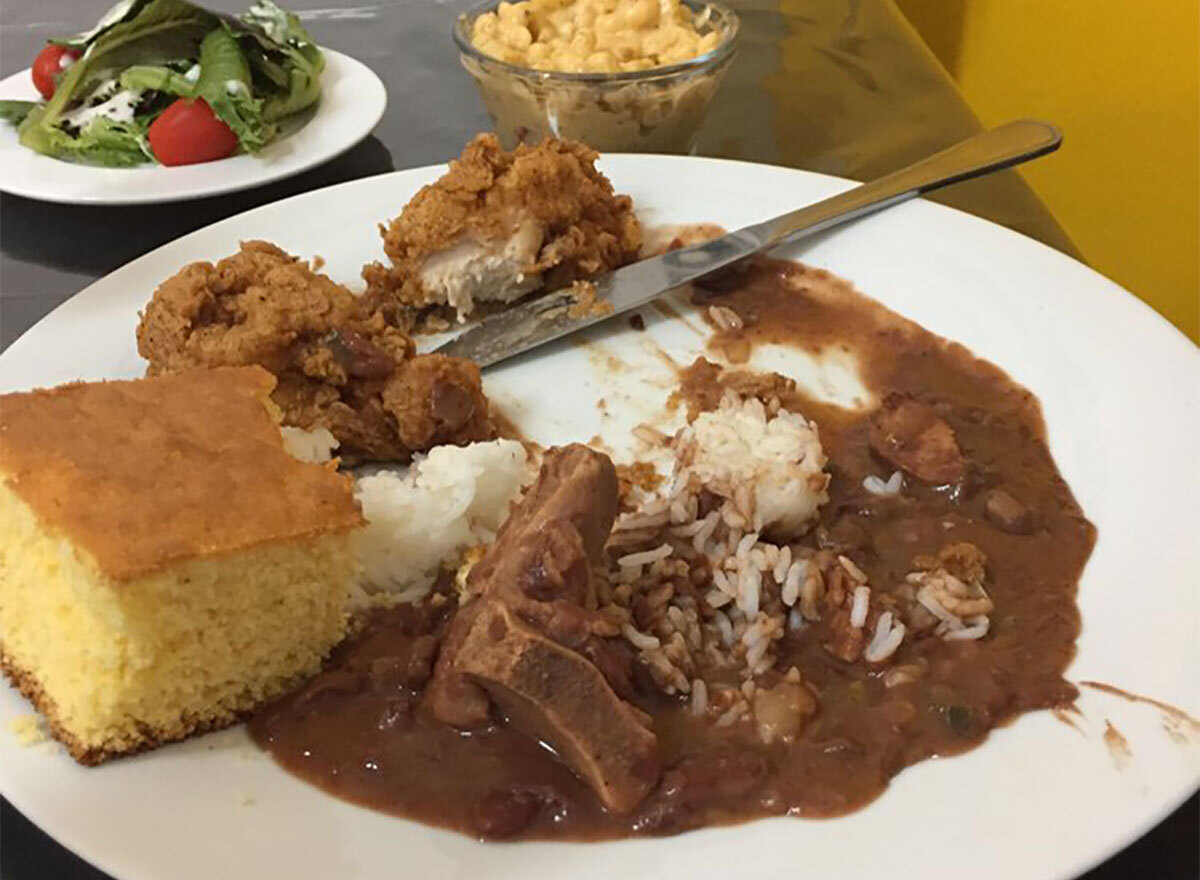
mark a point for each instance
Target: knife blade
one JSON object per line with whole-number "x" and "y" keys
{"x": 549, "y": 317}
{"x": 554, "y": 315}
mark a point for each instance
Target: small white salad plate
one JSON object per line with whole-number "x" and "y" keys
{"x": 352, "y": 103}
{"x": 1039, "y": 799}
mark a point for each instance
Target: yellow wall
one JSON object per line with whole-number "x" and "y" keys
{"x": 1122, "y": 79}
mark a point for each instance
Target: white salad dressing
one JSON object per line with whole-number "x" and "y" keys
{"x": 271, "y": 24}
{"x": 119, "y": 108}
{"x": 236, "y": 87}
{"x": 193, "y": 73}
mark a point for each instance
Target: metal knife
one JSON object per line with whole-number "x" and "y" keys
{"x": 548, "y": 317}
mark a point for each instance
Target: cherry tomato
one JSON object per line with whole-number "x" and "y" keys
{"x": 50, "y": 62}
{"x": 188, "y": 132}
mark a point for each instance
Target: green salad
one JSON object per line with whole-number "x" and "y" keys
{"x": 170, "y": 82}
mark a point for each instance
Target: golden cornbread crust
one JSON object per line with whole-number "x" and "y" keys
{"x": 139, "y": 474}
{"x": 31, "y": 689}
{"x": 89, "y": 756}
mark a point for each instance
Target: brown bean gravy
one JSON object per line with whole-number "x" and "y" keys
{"x": 360, "y": 731}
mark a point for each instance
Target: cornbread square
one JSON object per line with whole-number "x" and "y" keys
{"x": 165, "y": 565}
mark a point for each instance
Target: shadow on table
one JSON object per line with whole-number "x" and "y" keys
{"x": 95, "y": 239}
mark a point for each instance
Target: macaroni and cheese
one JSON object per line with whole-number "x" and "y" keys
{"x": 594, "y": 36}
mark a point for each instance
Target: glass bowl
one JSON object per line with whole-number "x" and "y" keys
{"x": 646, "y": 111}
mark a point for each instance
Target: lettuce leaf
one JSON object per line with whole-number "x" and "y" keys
{"x": 101, "y": 142}
{"x": 15, "y": 111}
{"x": 276, "y": 23}
{"x": 161, "y": 32}
{"x": 284, "y": 55}
{"x": 226, "y": 85}
{"x": 123, "y": 11}
{"x": 144, "y": 78}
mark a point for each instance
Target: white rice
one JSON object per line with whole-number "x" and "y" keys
{"x": 631, "y": 522}
{"x": 724, "y": 627}
{"x": 777, "y": 462}
{"x": 756, "y": 654}
{"x": 705, "y": 531}
{"x": 977, "y": 630}
{"x": 315, "y": 446}
{"x": 856, "y": 573}
{"x": 927, "y": 598}
{"x": 645, "y": 557}
{"x": 749, "y": 590}
{"x": 888, "y": 636}
{"x": 951, "y": 627}
{"x": 858, "y": 611}
{"x": 717, "y": 599}
{"x": 783, "y": 565}
{"x": 754, "y": 633}
{"x": 688, "y": 530}
{"x": 891, "y": 487}
{"x": 792, "y": 581}
{"x": 421, "y": 519}
{"x": 639, "y": 640}
{"x": 725, "y": 318}
{"x": 744, "y": 545}
{"x": 732, "y": 716}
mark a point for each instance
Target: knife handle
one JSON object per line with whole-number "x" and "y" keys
{"x": 1010, "y": 144}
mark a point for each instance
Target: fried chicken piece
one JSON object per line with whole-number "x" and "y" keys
{"x": 499, "y": 225}
{"x": 339, "y": 365}
{"x": 259, "y": 306}
{"x": 436, "y": 399}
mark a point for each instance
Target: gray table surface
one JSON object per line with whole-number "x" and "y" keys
{"x": 843, "y": 87}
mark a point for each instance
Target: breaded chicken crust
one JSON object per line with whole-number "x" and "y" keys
{"x": 340, "y": 364}
{"x": 563, "y": 214}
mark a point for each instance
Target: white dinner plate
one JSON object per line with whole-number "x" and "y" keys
{"x": 352, "y": 102}
{"x": 1039, "y": 799}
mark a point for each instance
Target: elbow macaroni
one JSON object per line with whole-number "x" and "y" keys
{"x": 657, "y": 111}
{"x": 593, "y": 36}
